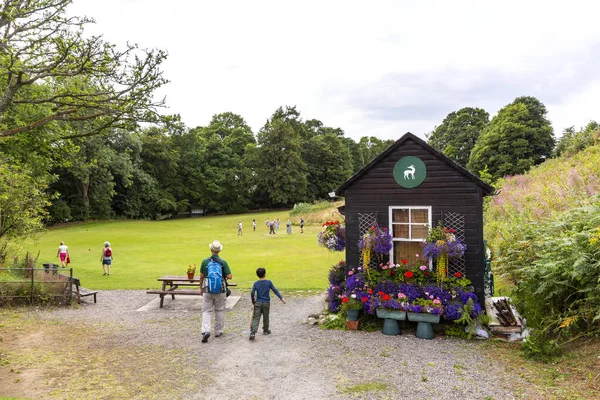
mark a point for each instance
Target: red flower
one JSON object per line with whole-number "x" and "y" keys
{"x": 458, "y": 275}
{"x": 408, "y": 274}
{"x": 364, "y": 299}
{"x": 425, "y": 273}
{"x": 380, "y": 293}
{"x": 404, "y": 261}
{"x": 370, "y": 291}
{"x": 385, "y": 297}
{"x": 344, "y": 299}
{"x": 391, "y": 272}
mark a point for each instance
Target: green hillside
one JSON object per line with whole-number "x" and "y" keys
{"x": 544, "y": 229}
{"x": 146, "y": 250}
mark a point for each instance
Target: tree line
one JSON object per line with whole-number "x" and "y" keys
{"x": 82, "y": 137}
{"x": 517, "y": 138}
{"x": 223, "y": 167}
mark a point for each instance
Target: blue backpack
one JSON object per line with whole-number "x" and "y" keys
{"x": 215, "y": 276}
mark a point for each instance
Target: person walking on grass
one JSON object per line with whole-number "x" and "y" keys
{"x": 260, "y": 296}
{"x": 301, "y": 224}
{"x": 213, "y": 273}
{"x": 63, "y": 253}
{"x": 254, "y": 225}
{"x": 240, "y": 228}
{"x": 106, "y": 258}
{"x": 288, "y": 227}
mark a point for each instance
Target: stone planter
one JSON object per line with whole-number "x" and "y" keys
{"x": 424, "y": 328}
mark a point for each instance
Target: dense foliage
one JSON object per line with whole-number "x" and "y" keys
{"x": 519, "y": 137}
{"x": 543, "y": 227}
{"x": 459, "y": 131}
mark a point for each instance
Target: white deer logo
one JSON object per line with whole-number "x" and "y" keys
{"x": 410, "y": 171}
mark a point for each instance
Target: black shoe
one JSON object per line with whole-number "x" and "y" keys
{"x": 219, "y": 334}
{"x": 205, "y": 337}
{"x": 251, "y": 336}
{"x": 266, "y": 332}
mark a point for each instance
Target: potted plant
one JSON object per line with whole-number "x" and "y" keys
{"x": 352, "y": 307}
{"x": 191, "y": 271}
{"x": 376, "y": 240}
{"x": 333, "y": 236}
{"x": 442, "y": 245}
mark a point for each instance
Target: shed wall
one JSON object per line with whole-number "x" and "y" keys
{"x": 445, "y": 189}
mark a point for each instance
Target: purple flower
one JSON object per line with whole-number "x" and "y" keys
{"x": 414, "y": 308}
{"x": 452, "y": 311}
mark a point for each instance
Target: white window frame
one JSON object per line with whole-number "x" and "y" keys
{"x": 391, "y": 227}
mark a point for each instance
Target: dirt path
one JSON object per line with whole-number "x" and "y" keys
{"x": 117, "y": 352}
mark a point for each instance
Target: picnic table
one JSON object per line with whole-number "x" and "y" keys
{"x": 171, "y": 285}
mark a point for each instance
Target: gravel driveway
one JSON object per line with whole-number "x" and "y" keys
{"x": 297, "y": 361}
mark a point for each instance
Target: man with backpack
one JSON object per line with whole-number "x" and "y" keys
{"x": 214, "y": 271}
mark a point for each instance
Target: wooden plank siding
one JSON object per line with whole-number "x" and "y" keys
{"x": 446, "y": 189}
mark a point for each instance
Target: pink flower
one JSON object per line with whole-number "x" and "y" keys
{"x": 431, "y": 296}
{"x": 423, "y": 267}
{"x": 351, "y": 272}
{"x": 401, "y": 296}
{"x": 437, "y": 301}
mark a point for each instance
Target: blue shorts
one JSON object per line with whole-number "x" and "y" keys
{"x": 106, "y": 261}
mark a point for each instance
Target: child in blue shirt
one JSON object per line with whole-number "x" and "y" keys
{"x": 262, "y": 302}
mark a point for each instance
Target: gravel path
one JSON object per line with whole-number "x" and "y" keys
{"x": 297, "y": 361}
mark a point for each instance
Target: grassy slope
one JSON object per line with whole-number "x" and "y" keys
{"x": 145, "y": 250}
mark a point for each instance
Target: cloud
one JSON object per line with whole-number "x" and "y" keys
{"x": 373, "y": 69}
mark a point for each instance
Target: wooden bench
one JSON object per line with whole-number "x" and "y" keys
{"x": 173, "y": 291}
{"x": 81, "y": 291}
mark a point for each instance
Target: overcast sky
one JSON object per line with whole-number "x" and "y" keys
{"x": 377, "y": 68}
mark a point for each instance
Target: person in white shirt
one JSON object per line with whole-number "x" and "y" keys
{"x": 63, "y": 253}
{"x": 240, "y": 228}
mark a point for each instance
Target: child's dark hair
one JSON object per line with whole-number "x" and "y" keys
{"x": 261, "y": 272}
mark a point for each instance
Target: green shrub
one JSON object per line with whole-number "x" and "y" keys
{"x": 309, "y": 208}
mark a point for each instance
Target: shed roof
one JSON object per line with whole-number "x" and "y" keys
{"x": 487, "y": 188}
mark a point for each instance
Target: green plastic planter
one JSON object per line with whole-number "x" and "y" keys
{"x": 390, "y": 327}
{"x": 352, "y": 315}
{"x": 424, "y": 328}
{"x": 394, "y": 314}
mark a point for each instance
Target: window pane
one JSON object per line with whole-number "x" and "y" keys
{"x": 419, "y": 231}
{"x": 420, "y": 216}
{"x": 399, "y": 215}
{"x": 400, "y": 231}
{"x": 407, "y": 251}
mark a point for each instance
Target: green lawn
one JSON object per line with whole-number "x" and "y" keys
{"x": 146, "y": 250}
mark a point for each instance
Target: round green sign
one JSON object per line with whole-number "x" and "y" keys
{"x": 410, "y": 172}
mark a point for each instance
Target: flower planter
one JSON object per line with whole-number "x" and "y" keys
{"x": 393, "y": 314}
{"x": 191, "y": 275}
{"x": 423, "y": 317}
{"x": 352, "y": 315}
{"x": 390, "y": 327}
{"x": 424, "y": 328}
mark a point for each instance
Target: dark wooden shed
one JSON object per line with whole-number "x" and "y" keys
{"x": 408, "y": 188}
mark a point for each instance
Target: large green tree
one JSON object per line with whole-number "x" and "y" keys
{"x": 52, "y": 72}
{"x": 519, "y": 137}
{"x": 328, "y": 164}
{"x": 23, "y": 203}
{"x": 371, "y": 147}
{"x": 572, "y": 142}
{"x": 279, "y": 170}
{"x": 458, "y": 133}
